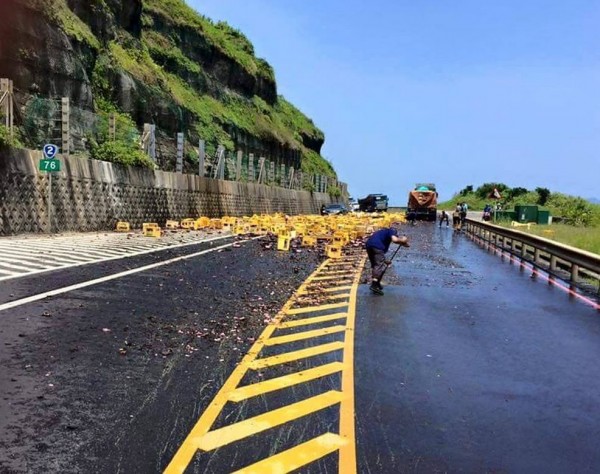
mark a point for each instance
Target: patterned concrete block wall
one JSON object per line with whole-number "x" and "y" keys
{"x": 88, "y": 195}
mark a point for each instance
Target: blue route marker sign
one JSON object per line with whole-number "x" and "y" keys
{"x": 50, "y": 151}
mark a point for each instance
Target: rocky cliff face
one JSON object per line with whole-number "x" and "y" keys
{"x": 160, "y": 62}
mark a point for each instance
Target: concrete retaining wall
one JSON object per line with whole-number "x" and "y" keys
{"x": 88, "y": 195}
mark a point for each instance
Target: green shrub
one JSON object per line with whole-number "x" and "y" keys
{"x": 121, "y": 152}
{"x": 575, "y": 210}
{"x": 6, "y": 140}
{"x": 334, "y": 191}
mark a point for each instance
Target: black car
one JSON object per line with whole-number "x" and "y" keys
{"x": 334, "y": 209}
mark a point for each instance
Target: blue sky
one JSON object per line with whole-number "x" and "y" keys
{"x": 455, "y": 93}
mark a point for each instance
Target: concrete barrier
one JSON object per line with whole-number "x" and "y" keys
{"x": 91, "y": 195}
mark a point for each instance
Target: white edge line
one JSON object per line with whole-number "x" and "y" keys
{"x": 66, "y": 289}
{"x": 116, "y": 257}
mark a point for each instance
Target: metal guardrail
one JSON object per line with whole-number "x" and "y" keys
{"x": 578, "y": 267}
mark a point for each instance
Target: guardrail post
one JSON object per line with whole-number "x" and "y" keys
{"x": 552, "y": 263}
{"x": 574, "y": 273}
{"x": 536, "y": 256}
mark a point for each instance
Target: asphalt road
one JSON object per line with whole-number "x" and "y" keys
{"x": 109, "y": 378}
{"x": 467, "y": 364}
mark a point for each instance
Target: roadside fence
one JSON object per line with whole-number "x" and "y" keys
{"x": 77, "y": 131}
{"x": 578, "y": 267}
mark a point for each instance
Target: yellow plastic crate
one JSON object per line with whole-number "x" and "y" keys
{"x": 334, "y": 251}
{"x": 188, "y": 224}
{"x": 283, "y": 242}
{"x": 123, "y": 227}
{"x": 309, "y": 241}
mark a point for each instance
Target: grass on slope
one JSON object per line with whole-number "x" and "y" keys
{"x": 57, "y": 11}
{"x": 230, "y": 41}
{"x": 585, "y": 238}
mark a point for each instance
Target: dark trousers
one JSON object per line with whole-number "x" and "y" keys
{"x": 377, "y": 259}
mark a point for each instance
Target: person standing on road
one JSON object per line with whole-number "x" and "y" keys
{"x": 464, "y": 208}
{"x": 377, "y": 245}
{"x": 444, "y": 217}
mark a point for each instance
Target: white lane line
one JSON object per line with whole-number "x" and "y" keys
{"x": 35, "y": 257}
{"x": 107, "y": 259}
{"x": 66, "y": 289}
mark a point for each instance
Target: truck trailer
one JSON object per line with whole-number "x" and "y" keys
{"x": 422, "y": 202}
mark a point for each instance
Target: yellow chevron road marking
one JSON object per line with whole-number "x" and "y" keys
{"x": 260, "y": 388}
{"x": 334, "y": 272}
{"x": 228, "y": 434}
{"x": 334, "y": 277}
{"x": 201, "y": 438}
{"x": 314, "y": 309}
{"x": 186, "y": 451}
{"x": 298, "y": 456}
{"x": 258, "y": 364}
{"x": 314, "y": 320}
{"x": 329, "y": 289}
{"x": 299, "y": 336}
{"x": 347, "y": 461}
{"x": 329, "y": 296}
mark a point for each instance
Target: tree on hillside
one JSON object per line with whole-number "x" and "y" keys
{"x": 467, "y": 190}
{"x": 486, "y": 189}
{"x": 544, "y": 194}
{"x": 516, "y": 192}
{"x": 530, "y": 197}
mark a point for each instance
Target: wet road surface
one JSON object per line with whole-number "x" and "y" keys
{"x": 469, "y": 365}
{"x": 110, "y": 378}
{"x": 465, "y": 365}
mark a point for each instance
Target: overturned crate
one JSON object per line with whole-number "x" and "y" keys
{"x": 123, "y": 227}
{"x": 151, "y": 229}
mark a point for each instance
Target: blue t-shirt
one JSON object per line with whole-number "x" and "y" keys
{"x": 382, "y": 239}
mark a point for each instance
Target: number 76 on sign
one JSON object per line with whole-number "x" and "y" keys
{"x": 49, "y": 165}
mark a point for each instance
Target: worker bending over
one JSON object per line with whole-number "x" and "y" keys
{"x": 377, "y": 245}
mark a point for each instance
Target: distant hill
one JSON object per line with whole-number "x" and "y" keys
{"x": 576, "y": 210}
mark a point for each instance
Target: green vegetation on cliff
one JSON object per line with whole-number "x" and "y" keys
{"x": 195, "y": 75}
{"x": 7, "y": 140}
{"x": 228, "y": 40}
{"x": 59, "y": 12}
